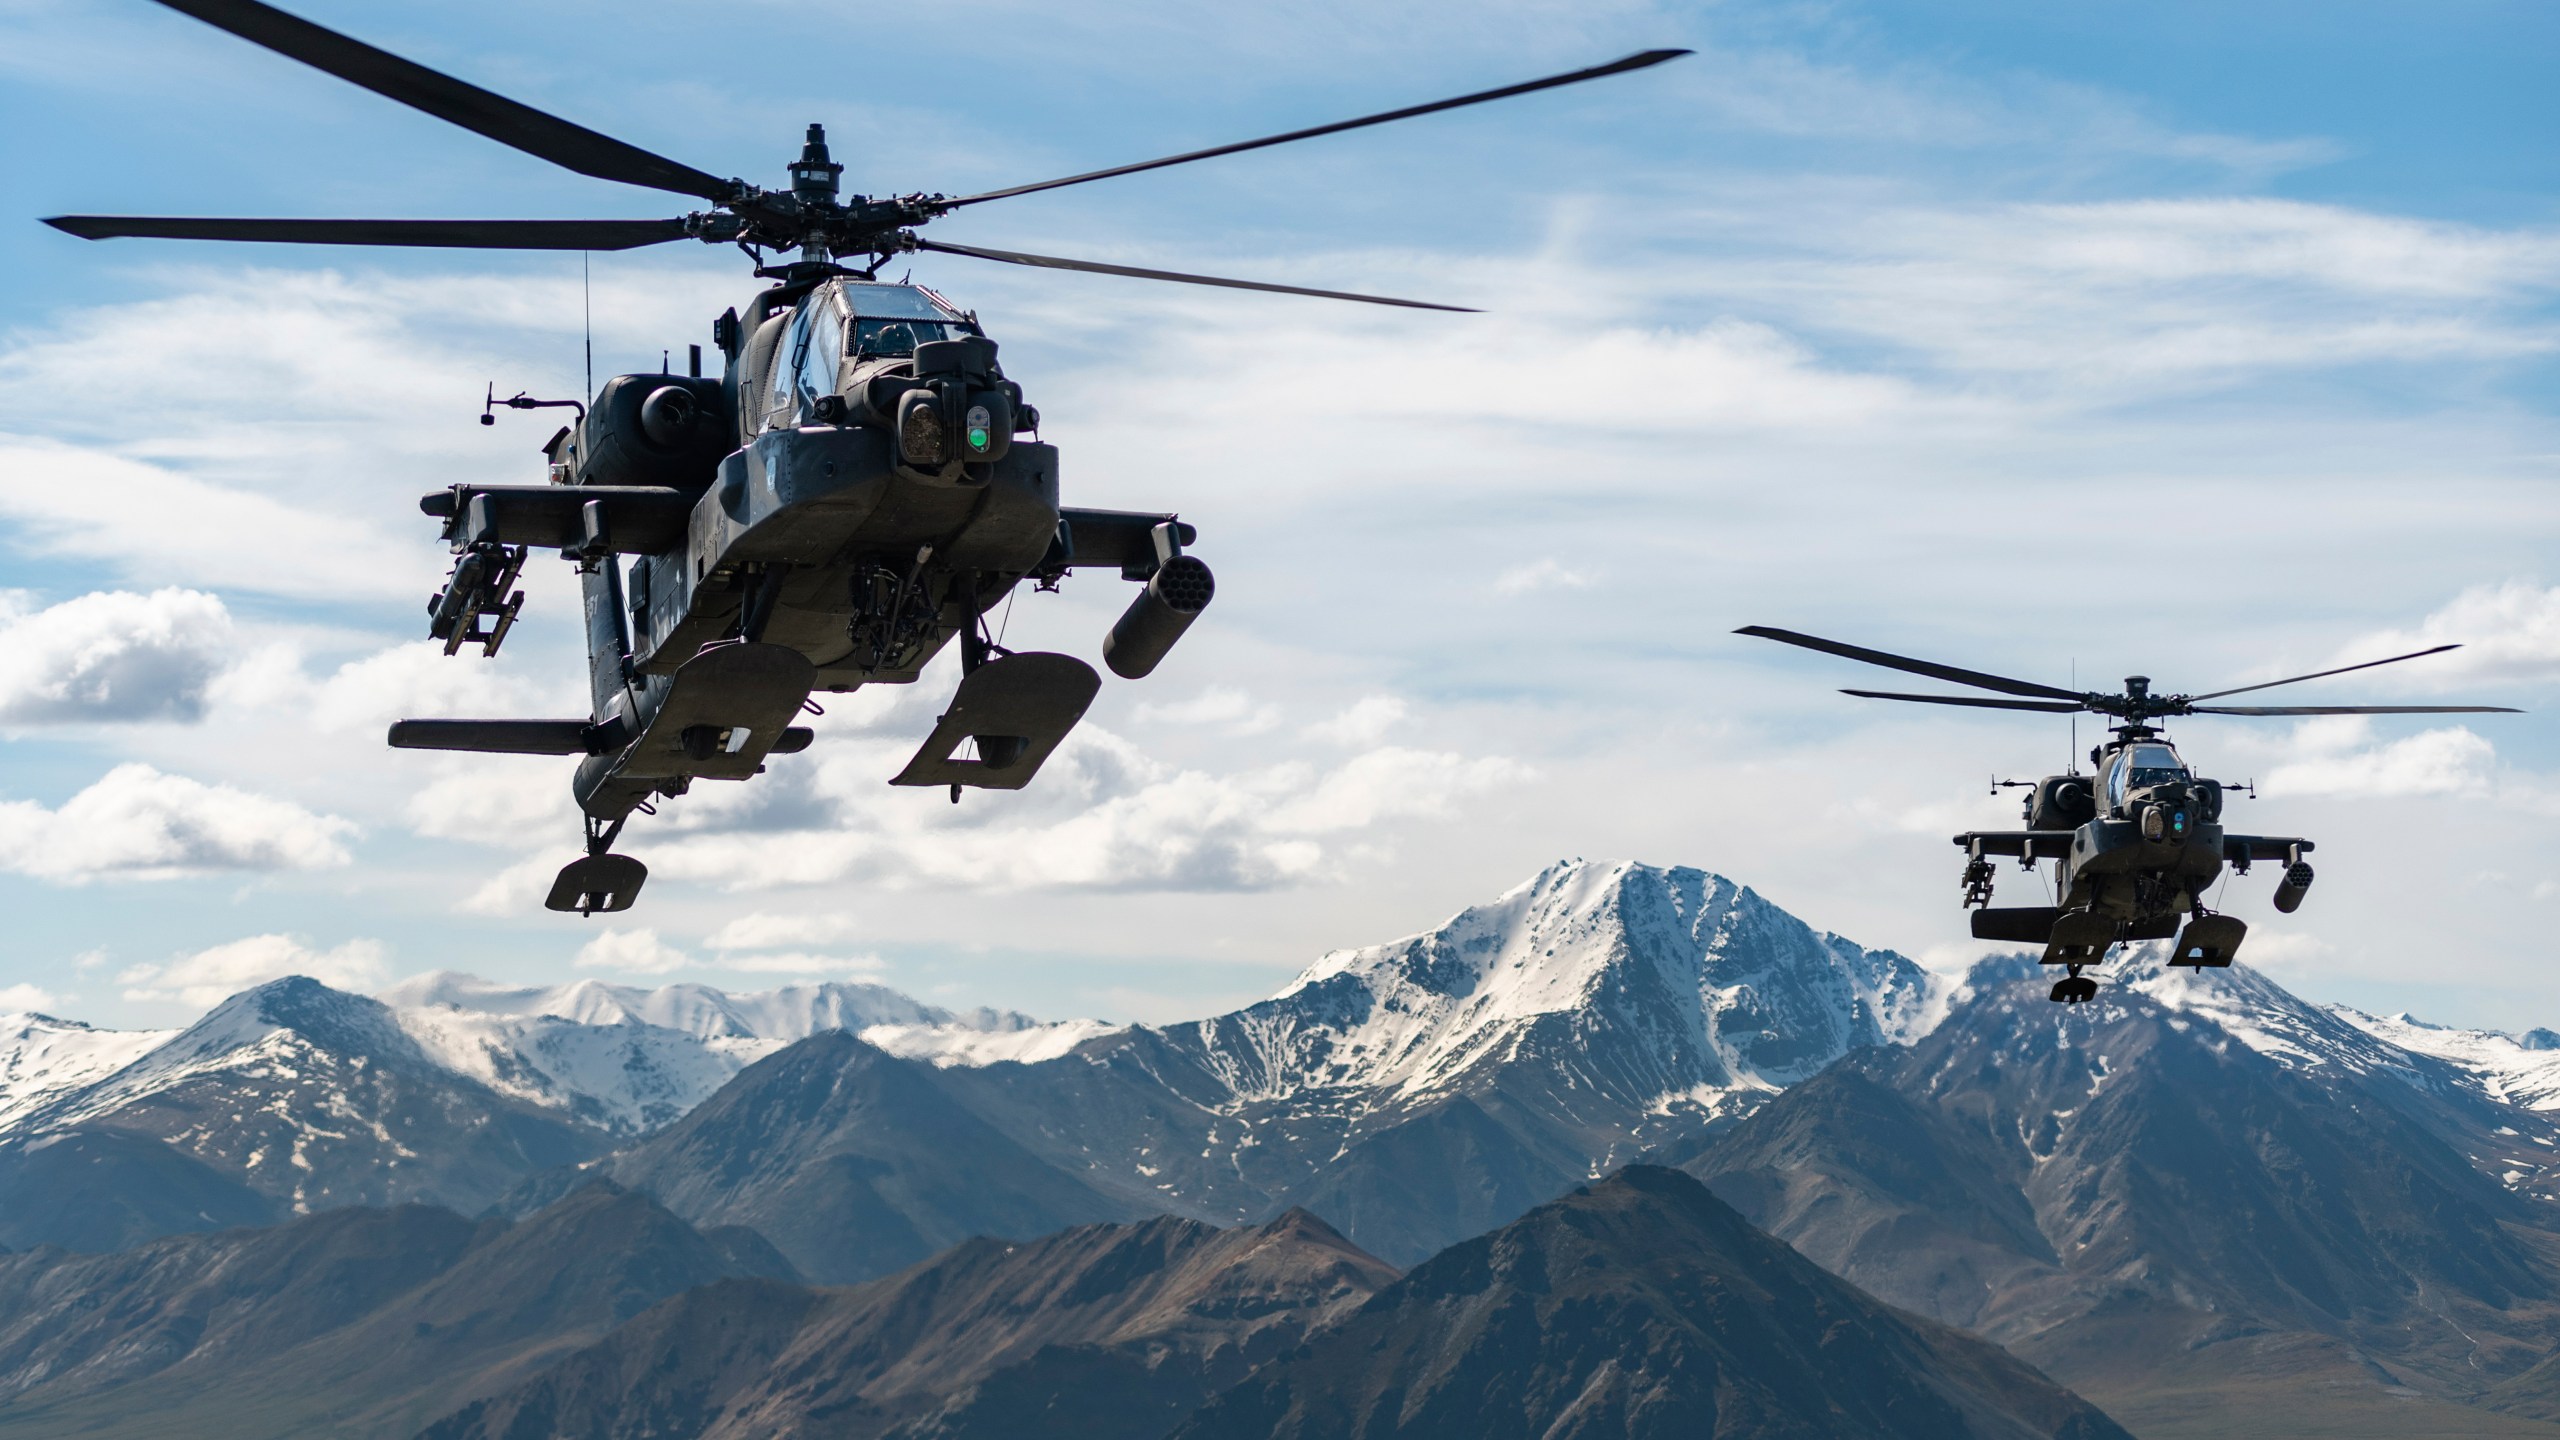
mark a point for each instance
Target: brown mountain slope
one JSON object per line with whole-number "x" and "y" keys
{"x": 355, "y": 1322}
{"x": 1640, "y": 1307}
{"x": 2205, "y": 1238}
{"x": 854, "y": 1163}
{"x": 1102, "y": 1331}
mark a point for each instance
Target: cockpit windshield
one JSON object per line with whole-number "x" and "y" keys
{"x": 900, "y": 337}
{"x": 2141, "y": 766}
{"x": 2152, "y": 764}
{"x": 892, "y": 320}
{"x": 896, "y": 302}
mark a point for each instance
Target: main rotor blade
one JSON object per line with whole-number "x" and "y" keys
{"x": 2054, "y": 707}
{"x": 501, "y": 119}
{"x": 2316, "y": 674}
{"x": 1052, "y": 262}
{"x": 1638, "y": 61}
{"x": 1890, "y": 661}
{"x": 2355, "y": 710}
{"x": 441, "y": 234}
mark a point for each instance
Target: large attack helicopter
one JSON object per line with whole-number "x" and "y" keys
{"x": 847, "y": 498}
{"x": 2137, "y": 843}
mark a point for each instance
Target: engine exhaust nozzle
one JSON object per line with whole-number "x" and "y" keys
{"x": 1175, "y": 595}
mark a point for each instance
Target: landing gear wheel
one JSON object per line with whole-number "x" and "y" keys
{"x": 599, "y": 881}
{"x": 2074, "y": 989}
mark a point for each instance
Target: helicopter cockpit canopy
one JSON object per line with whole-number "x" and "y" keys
{"x": 891, "y": 320}
{"x": 894, "y": 339}
{"x": 2140, "y": 766}
{"x": 859, "y": 319}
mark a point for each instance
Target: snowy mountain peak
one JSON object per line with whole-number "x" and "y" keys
{"x": 274, "y": 1029}
{"x": 42, "y": 1058}
{"x": 331, "y": 1020}
{"x": 793, "y": 1012}
{"x": 2520, "y": 1070}
{"x": 632, "y": 1059}
{"x": 1651, "y": 985}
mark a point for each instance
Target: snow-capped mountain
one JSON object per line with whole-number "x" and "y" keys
{"x": 633, "y": 1060}
{"x": 317, "y": 1098}
{"x": 1413, "y": 1092}
{"x": 1665, "y": 986}
{"x": 42, "y": 1058}
{"x": 293, "y": 1097}
{"x": 1427, "y": 1088}
{"x": 2492, "y": 1080}
{"x": 2520, "y": 1071}
{"x": 794, "y": 1012}
{"x": 2199, "y": 1175}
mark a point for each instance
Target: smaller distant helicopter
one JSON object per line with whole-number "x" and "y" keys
{"x": 2137, "y": 843}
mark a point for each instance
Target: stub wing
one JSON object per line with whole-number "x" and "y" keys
{"x": 2018, "y": 844}
{"x": 2239, "y": 850}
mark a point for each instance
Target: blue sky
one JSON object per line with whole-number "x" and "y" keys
{"x": 2209, "y": 342}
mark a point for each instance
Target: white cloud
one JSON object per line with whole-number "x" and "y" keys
{"x": 1365, "y": 721}
{"x": 209, "y": 977}
{"x": 763, "y": 930}
{"x": 111, "y": 655}
{"x": 793, "y": 963}
{"x": 21, "y": 998}
{"x": 151, "y": 520}
{"x": 419, "y": 679}
{"x": 137, "y": 823}
{"x": 2507, "y": 632}
{"x": 520, "y": 887}
{"x": 509, "y": 800}
{"x": 2339, "y": 760}
{"x": 2287, "y": 241}
{"x": 1391, "y": 783}
{"x": 294, "y": 416}
{"x": 2093, "y": 305}
{"x": 638, "y": 952}
{"x": 1231, "y": 711}
{"x": 1111, "y": 819}
{"x": 1546, "y": 573}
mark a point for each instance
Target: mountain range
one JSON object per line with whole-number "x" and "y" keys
{"x": 1639, "y": 1306}
{"x": 2202, "y": 1202}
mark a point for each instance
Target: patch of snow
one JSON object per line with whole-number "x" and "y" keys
{"x": 962, "y": 1045}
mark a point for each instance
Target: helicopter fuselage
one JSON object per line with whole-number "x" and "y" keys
{"x": 851, "y": 496}
{"x": 2135, "y": 848}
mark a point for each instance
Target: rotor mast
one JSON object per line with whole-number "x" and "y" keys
{"x": 815, "y": 179}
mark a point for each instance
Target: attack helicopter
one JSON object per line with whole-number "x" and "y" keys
{"x": 2136, "y": 843}
{"x": 852, "y": 493}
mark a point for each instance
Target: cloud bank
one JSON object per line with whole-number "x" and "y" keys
{"x": 111, "y": 656}
{"x": 136, "y": 823}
